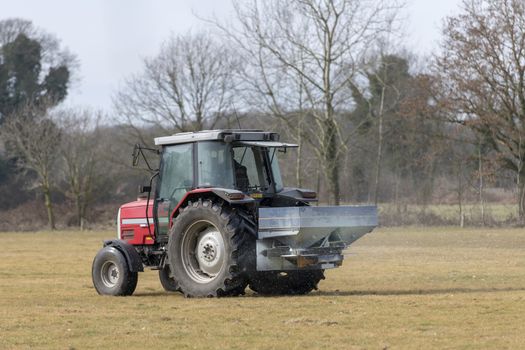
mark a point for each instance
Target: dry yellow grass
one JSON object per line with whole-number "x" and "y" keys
{"x": 398, "y": 289}
{"x": 448, "y": 214}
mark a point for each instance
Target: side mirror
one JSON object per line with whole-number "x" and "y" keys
{"x": 144, "y": 189}
{"x": 136, "y": 154}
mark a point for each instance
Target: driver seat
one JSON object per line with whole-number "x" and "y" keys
{"x": 241, "y": 177}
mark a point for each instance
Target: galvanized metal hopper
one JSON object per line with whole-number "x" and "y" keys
{"x": 287, "y": 235}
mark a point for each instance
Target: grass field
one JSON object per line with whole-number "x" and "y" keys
{"x": 398, "y": 289}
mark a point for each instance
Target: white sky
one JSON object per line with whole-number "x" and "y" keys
{"x": 111, "y": 37}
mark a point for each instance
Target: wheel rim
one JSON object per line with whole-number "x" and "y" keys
{"x": 203, "y": 251}
{"x": 109, "y": 274}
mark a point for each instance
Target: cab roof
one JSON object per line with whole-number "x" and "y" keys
{"x": 226, "y": 135}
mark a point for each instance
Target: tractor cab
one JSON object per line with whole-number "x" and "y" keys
{"x": 249, "y": 167}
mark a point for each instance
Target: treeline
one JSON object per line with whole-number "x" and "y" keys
{"x": 375, "y": 123}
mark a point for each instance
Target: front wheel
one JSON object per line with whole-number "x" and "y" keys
{"x": 111, "y": 274}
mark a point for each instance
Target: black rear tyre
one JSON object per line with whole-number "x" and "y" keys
{"x": 210, "y": 249}
{"x": 111, "y": 274}
{"x": 289, "y": 283}
{"x": 168, "y": 283}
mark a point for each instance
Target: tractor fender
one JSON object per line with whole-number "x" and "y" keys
{"x": 129, "y": 252}
{"x": 228, "y": 195}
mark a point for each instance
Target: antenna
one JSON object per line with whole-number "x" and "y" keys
{"x": 236, "y": 115}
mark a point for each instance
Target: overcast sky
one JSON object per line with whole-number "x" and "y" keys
{"x": 111, "y": 37}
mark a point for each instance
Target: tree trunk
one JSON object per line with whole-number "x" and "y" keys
{"x": 331, "y": 157}
{"x": 318, "y": 184}
{"x": 78, "y": 204}
{"x": 298, "y": 161}
{"x": 460, "y": 195}
{"x": 334, "y": 182}
{"x": 481, "y": 199}
{"x": 84, "y": 206}
{"x": 379, "y": 146}
{"x": 520, "y": 183}
{"x": 49, "y": 206}
{"x": 83, "y": 218}
{"x": 521, "y": 202}
{"x": 396, "y": 192}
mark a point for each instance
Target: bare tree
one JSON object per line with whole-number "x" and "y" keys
{"x": 188, "y": 86}
{"x": 316, "y": 47}
{"x": 33, "y": 138}
{"x": 482, "y": 68}
{"x": 81, "y": 153}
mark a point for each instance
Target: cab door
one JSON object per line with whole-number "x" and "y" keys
{"x": 175, "y": 179}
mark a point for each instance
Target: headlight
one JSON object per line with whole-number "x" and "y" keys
{"x": 118, "y": 224}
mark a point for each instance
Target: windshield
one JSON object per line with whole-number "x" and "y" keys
{"x": 276, "y": 170}
{"x": 252, "y": 172}
{"x": 249, "y": 165}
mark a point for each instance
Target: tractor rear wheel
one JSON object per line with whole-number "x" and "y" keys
{"x": 210, "y": 249}
{"x": 168, "y": 283}
{"x": 285, "y": 283}
{"x": 111, "y": 274}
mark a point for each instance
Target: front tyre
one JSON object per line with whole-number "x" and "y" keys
{"x": 111, "y": 274}
{"x": 209, "y": 250}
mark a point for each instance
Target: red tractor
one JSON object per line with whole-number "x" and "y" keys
{"x": 217, "y": 219}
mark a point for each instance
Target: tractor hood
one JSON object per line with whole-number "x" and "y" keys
{"x": 141, "y": 202}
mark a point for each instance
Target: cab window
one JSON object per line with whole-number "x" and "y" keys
{"x": 215, "y": 167}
